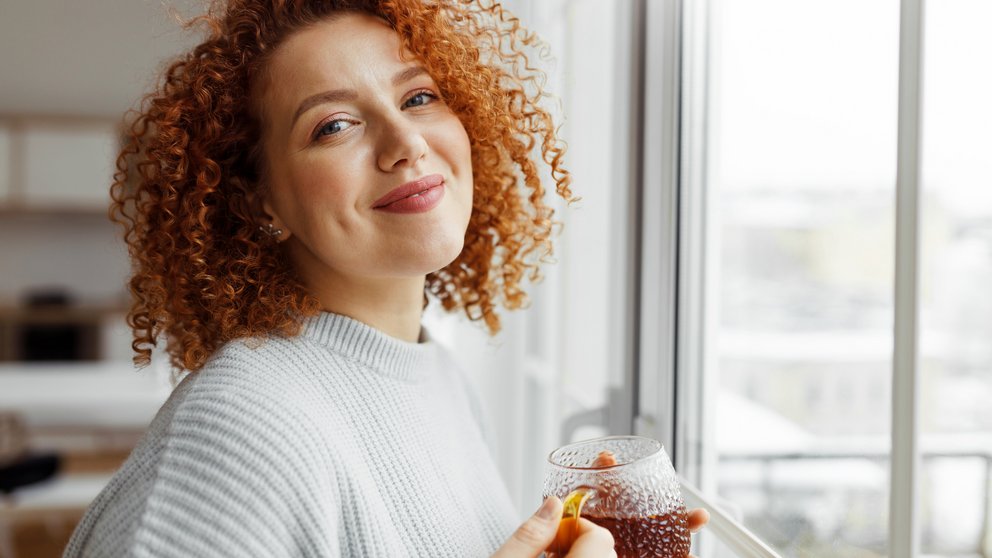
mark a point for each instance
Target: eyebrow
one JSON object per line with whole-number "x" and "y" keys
{"x": 338, "y": 95}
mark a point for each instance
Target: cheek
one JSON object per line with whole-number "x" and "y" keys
{"x": 458, "y": 150}
{"x": 450, "y": 139}
{"x": 319, "y": 184}
{"x": 464, "y": 148}
{"x": 466, "y": 158}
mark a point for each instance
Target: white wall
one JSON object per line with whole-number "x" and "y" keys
{"x": 79, "y": 253}
{"x": 84, "y": 58}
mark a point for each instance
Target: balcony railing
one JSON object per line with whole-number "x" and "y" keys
{"x": 979, "y": 450}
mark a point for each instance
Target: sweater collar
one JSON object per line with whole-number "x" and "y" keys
{"x": 362, "y": 343}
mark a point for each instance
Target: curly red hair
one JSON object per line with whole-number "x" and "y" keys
{"x": 191, "y": 166}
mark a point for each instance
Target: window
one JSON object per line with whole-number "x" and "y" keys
{"x": 782, "y": 383}
{"x": 801, "y": 177}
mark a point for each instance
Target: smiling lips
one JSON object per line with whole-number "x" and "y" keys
{"x": 417, "y": 196}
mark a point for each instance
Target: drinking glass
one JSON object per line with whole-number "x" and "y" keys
{"x": 626, "y": 484}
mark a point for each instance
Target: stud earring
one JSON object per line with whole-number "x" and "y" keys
{"x": 271, "y": 230}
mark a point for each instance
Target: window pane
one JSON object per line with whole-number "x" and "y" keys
{"x": 801, "y": 172}
{"x": 956, "y": 267}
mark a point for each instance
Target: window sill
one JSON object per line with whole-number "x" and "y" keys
{"x": 730, "y": 532}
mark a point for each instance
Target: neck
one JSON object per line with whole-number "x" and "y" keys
{"x": 391, "y": 305}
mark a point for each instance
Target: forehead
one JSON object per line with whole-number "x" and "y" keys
{"x": 336, "y": 52}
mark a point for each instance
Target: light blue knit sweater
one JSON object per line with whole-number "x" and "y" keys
{"x": 340, "y": 442}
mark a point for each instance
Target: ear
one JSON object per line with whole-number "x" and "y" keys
{"x": 268, "y": 219}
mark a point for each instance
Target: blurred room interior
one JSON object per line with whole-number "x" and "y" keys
{"x": 726, "y": 284}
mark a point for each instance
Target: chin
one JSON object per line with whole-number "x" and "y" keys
{"x": 447, "y": 259}
{"x": 432, "y": 256}
{"x": 446, "y": 254}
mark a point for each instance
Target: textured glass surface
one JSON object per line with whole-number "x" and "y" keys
{"x": 638, "y": 499}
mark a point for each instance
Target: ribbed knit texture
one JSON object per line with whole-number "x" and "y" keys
{"x": 342, "y": 441}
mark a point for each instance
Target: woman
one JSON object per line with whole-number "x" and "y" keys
{"x": 285, "y": 194}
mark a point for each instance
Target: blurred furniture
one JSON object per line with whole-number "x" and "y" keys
{"x": 27, "y": 470}
{"x": 37, "y": 533}
{"x": 50, "y": 326}
{"x": 18, "y": 466}
{"x": 43, "y": 495}
{"x": 91, "y": 414}
{"x": 13, "y": 437}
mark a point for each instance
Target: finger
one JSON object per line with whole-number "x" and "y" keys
{"x": 591, "y": 540}
{"x": 604, "y": 459}
{"x": 531, "y": 538}
{"x": 697, "y": 518}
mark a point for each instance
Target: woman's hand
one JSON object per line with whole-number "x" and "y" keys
{"x": 536, "y": 534}
{"x": 697, "y": 519}
{"x": 593, "y": 541}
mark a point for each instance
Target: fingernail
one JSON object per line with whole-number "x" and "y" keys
{"x": 547, "y": 509}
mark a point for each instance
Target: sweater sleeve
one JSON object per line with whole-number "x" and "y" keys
{"x": 239, "y": 475}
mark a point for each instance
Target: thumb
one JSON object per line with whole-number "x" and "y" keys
{"x": 531, "y": 538}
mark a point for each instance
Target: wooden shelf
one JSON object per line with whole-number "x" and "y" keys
{"x": 57, "y": 210}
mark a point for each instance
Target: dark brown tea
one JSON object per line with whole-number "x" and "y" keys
{"x": 658, "y": 536}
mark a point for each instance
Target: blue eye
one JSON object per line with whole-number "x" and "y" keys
{"x": 420, "y": 99}
{"x": 333, "y": 127}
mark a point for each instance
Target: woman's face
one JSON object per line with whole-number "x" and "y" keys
{"x": 350, "y": 127}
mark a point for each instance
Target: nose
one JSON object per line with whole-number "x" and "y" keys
{"x": 401, "y": 144}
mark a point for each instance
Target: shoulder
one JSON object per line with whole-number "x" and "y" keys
{"x": 237, "y": 413}
{"x": 272, "y": 372}
{"x": 231, "y": 466}
{"x": 257, "y": 387}
{"x": 249, "y": 417}
{"x": 276, "y": 356}
{"x": 238, "y": 461}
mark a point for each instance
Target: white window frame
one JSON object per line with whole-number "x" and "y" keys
{"x": 669, "y": 365}
{"x": 904, "y": 531}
